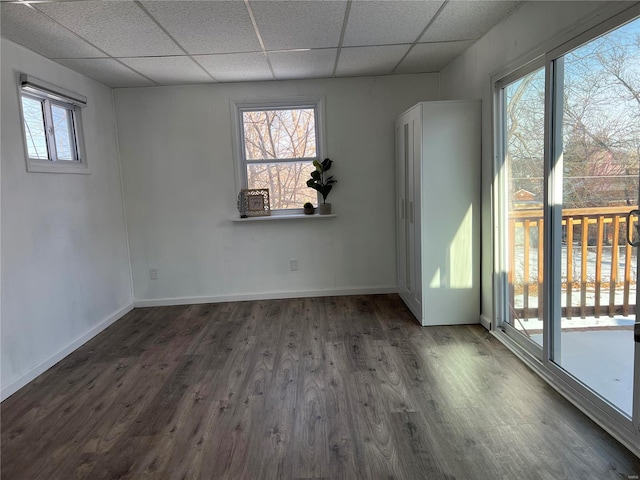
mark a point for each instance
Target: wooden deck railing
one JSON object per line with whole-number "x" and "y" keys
{"x": 593, "y": 238}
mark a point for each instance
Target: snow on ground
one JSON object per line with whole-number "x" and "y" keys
{"x": 602, "y": 360}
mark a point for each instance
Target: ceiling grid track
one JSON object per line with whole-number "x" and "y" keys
{"x": 180, "y": 43}
{"x": 344, "y": 29}
{"x": 433, "y": 19}
{"x": 187, "y": 54}
{"x": 257, "y": 31}
{"x": 88, "y": 42}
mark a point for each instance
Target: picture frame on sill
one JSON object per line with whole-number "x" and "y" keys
{"x": 254, "y": 202}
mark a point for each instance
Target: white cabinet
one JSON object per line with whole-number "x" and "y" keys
{"x": 438, "y": 158}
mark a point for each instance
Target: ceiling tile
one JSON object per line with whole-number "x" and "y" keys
{"x": 207, "y": 27}
{"x": 369, "y": 60}
{"x": 35, "y": 31}
{"x": 309, "y": 64}
{"x": 232, "y": 67}
{"x": 119, "y": 28}
{"x": 464, "y": 20}
{"x": 431, "y": 57}
{"x": 169, "y": 70}
{"x": 299, "y": 24}
{"x": 387, "y": 22}
{"x": 107, "y": 71}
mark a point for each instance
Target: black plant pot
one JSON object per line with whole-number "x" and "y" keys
{"x": 309, "y": 210}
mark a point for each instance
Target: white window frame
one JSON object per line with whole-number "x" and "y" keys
{"x": 241, "y": 163}
{"x": 50, "y": 95}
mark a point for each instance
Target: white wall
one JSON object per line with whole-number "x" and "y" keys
{"x": 178, "y": 171}
{"x": 531, "y": 30}
{"x": 65, "y": 260}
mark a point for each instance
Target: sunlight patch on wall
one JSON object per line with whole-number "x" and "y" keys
{"x": 435, "y": 281}
{"x": 461, "y": 254}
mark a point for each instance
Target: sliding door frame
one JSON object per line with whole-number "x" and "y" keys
{"x": 626, "y": 430}
{"x": 501, "y": 209}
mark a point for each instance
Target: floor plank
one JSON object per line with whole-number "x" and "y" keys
{"x": 335, "y": 387}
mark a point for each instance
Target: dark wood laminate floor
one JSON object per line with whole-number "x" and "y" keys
{"x": 337, "y": 387}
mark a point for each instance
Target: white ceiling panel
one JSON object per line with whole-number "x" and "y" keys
{"x": 108, "y": 71}
{"x": 119, "y": 28}
{"x": 207, "y": 27}
{"x": 236, "y": 67}
{"x": 464, "y": 20}
{"x": 170, "y": 42}
{"x": 431, "y": 57}
{"x": 35, "y": 31}
{"x": 387, "y": 22}
{"x": 169, "y": 70}
{"x": 369, "y": 60}
{"x": 299, "y": 24}
{"x": 309, "y": 64}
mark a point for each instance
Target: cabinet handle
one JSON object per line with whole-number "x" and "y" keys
{"x": 411, "y": 211}
{"x": 402, "y": 208}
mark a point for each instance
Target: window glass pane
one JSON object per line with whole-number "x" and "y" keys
{"x": 34, "y": 128}
{"x": 600, "y": 143}
{"x": 524, "y": 152}
{"x": 279, "y": 134}
{"x": 287, "y": 183}
{"x": 63, "y": 131}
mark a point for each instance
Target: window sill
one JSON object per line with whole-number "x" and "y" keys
{"x": 295, "y": 216}
{"x": 46, "y": 166}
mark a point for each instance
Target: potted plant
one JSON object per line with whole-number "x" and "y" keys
{"x": 308, "y": 208}
{"x": 322, "y": 183}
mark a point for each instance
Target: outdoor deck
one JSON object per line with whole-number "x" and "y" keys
{"x": 598, "y": 288}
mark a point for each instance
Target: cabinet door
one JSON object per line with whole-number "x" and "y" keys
{"x": 408, "y": 138}
{"x": 415, "y": 214}
{"x": 401, "y": 204}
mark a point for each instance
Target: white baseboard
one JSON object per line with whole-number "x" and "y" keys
{"x": 16, "y": 384}
{"x": 485, "y": 322}
{"x": 240, "y": 297}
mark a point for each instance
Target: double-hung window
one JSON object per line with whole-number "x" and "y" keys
{"x": 276, "y": 145}
{"x": 52, "y": 127}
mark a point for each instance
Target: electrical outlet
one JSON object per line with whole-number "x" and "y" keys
{"x": 293, "y": 265}
{"x": 153, "y": 273}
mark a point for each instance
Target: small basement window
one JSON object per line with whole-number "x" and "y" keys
{"x": 52, "y": 127}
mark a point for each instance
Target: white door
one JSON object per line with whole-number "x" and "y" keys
{"x": 569, "y": 170}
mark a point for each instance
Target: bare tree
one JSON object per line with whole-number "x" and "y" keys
{"x": 601, "y": 124}
{"x": 524, "y": 135}
{"x": 602, "y": 121}
{"x": 282, "y": 143}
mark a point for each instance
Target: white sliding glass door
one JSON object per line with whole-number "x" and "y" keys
{"x": 567, "y": 177}
{"x": 522, "y": 110}
{"x": 597, "y": 139}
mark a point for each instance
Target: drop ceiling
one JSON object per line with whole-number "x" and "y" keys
{"x": 174, "y": 42}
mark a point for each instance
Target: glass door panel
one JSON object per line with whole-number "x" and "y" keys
{"x": 523, "y": 136}
{"x": 599, "y": 83}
